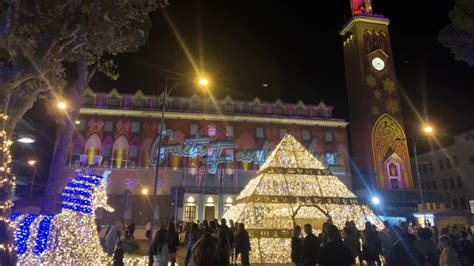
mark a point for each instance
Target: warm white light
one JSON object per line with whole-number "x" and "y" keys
{"x": 375, "y": 200}
{"x": 61, "y": 105}
{"x": 77, "y": 122}
{"x": 190, "y": 199}
{"x": 145, "y": 191}
{"x": 428, "y": 129}
{"x": 31, "y": 162}
{"x": 26, "y": 140}
{"x": 203, "y": 82}
{"x": 210, "y": 199}
{"x": 228, "y": 200}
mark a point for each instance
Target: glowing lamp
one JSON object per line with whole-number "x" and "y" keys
{"x": 26, "y": 139}
{"x": 31, "y": 162}
{"x": 145, "y": 191}
{"x": 375, "y": 200}
{"x": 77, "y": 122}
{"x": 61, "y": 105}
{"x": 203, "y": 82}
{"x": 428, "y": 129}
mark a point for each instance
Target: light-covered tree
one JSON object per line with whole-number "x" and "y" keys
{"x": 39, "y": 40}
{"x": 458, "y": 36}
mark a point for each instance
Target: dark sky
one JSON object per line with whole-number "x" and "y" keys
{"x": 296, "y": 49}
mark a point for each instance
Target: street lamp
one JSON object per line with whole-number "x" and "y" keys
{"x": 145, "y": 191}
{"x": 32, "y": 163}
{"x": 428, "y": 130}
{"x": 26, "y": 139}
{"x": 61, "y": 105}
{"x": 203, "y": 82}
{"x": 375, "y": 200}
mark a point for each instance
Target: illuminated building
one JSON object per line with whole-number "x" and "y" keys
{"x": 293, "y": 188}
{"x": 210, "y": 151}
{"x": 379, "y": 146}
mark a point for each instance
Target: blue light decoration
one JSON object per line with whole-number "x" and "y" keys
{"x": 88, "y": 180}
{"x": 76, "y": 201}
{"x": 79, "y": 185}
{"x": 14, "y": 216}
{"x": 77, "y": 192}
{"x": 23, "y": 233}
{"x": 42, "y": 234}
{"x": 77, "y": 208}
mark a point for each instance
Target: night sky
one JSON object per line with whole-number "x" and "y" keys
{"x": 295, "y": 48}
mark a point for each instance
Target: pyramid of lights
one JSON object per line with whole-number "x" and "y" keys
{"x": 293, "y": 188}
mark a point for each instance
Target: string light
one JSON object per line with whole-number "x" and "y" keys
{"x": 69, "y": 237}
{"x": 293, "y": 188}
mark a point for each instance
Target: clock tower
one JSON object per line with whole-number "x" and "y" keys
{"x": 379, "y": 148}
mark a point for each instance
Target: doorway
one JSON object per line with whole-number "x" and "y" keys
{"x": 209, "y": 212}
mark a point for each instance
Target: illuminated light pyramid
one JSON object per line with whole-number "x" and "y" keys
{"x": 293, "y": 188}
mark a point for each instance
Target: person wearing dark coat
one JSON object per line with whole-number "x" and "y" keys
{"x": 311, "y": 245}
{"x": 242, "y": 245}
{"x": 172, "y": 240}
{"x": 403, "y": 251}
{"x": 334, "y": 252}
{"x": 118, "y": 254}
{"x": 297, "y": 247}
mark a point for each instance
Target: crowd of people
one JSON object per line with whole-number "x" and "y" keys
{"x": 210, "y": 243}
{"x": 394, "y": 245}
{"x": 220, "y": 243}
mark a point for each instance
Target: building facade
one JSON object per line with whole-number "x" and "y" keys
{"x": 450, "y": 169}
{"x": 210, "y": 149}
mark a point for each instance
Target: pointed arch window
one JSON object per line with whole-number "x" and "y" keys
{"x": 92, "y": 149}
{"x": 120, "y": 152}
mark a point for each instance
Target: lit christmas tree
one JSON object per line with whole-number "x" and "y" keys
{"x": 293, "y": 188}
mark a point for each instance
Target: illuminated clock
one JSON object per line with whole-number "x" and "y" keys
{"x": 378, "y": 63}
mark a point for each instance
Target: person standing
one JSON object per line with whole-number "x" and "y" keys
{"x": 466, "y": 249}
{"x": 205, "y": 252}
{"x": 371, "y": 246}
{"x": 351, "y": 241}
{"x": 334, "y": 253}
{"x": 242, "y": 245}
{"x": 311, "y": 245}
{"x": 172, "y": 240}
{"x": 403, "y": 251}
{"x": 148, "y": 230}
{"x": 131, "y": 230}
{"x": 112, "y": 237}
{"x": 159, "y": 249}
{"x": 427, "y": 247}
{"x": 224, "y": 247}
{"x": 118, "y": 254}
{"x": 192, "y": 237}
{"x": 297, "y": 247}
{"x": 448, "y": 257}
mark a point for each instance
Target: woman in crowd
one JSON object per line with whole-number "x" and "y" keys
{"x": 297, "y": 247}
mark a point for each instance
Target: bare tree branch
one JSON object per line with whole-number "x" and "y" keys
{"x": 12, "y": 10}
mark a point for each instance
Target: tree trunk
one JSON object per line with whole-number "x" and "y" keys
{"x": 7, "y": 184}
{"x": 65, "y": 132}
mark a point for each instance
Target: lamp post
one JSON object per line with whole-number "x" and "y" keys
{"x": 32, "y": 163}
{"x": 428, "y": 130}
{"x": 203, "y": 82}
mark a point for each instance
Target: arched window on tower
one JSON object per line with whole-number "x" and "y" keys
{"x": 120, "y": 152}
{"x": 107, "y": 151}
{"x": 93, "y": 148}
{"x": 77, "y": 150}
{"x": 368, "y": 44}
{"x": 134, "y": 152}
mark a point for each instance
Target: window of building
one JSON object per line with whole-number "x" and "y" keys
{"x": 305, "y": 134}
{"x": 229, "y": 131}
{"x": 448, "y": 163}
{"x": 455, "y": 160}
{"x": 431, "y": 206}
{"x": 321, "y": 113}
{"x": 428, "y": 186}
{"x": 328, "y": 136}
{"x": 256, "y": 109}
{"x": 455, "y": 204}
{"x": 451, "y": 183}
{"x": 133, "y": 152}
{"x": 445, "y": 184}
{"x": 282, "y": 132}
{"x": 140, "y": 102}
{"x": 430, "y": 165}
{"x": 135, "y": 127}
{"x": 471, "y": 159}
{"x": 109, "y": 126}
{"x": 394, "y": 183}
{"x": 463, "y": 203}
{"x": 113, "y": 101}
{"x": 459, "y": 181}
{"x": 259, "y": 132}
{"x": 193, "y": 130}
{"x": 435, "y": 186}
{"x": 211, "y": 130}
{"x": 422, "y": 186}
{"x": 278, "y": 110}
{"x": 438, "y": 206}
{"x": 189, "y": 213}
{"x": 82, "y": 125}
{"x": 301, "y": 111}
{"x": 441, "y": 165}
{"x": 448, "y": 205}
{"x": 425, "y": 168}
{"x": 106, "y": 152}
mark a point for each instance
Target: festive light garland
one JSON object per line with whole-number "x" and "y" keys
{"x": 70, "y": 237}
{"x": 269, "y": 220}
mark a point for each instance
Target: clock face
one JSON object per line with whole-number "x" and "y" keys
{"x": 378, "y": 63}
